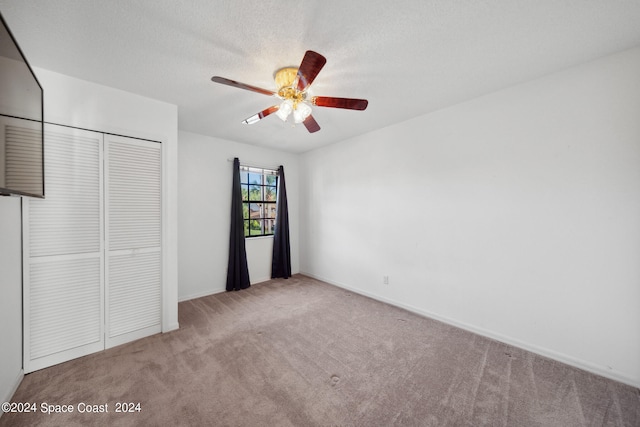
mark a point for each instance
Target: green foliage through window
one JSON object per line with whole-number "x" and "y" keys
{"x": 259, "y": 196}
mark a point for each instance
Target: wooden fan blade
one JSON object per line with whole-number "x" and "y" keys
{"x": 311, "y": 124}
{"x": 261, "y": 115}
{"x": 347, "y": 103}
{"x": 311, "y": 65}
{"x": 244, "y": 86}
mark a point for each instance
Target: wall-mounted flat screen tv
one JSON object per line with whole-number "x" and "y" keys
{"x": 21, "y": 122}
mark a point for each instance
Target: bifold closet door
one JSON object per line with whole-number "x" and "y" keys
{"x": 63, "y": 262}
{"x": 133, "y": 239}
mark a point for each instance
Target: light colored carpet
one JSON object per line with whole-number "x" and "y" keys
{"x": 300, "y": 352}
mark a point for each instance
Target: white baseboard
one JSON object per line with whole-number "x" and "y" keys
{"x": 12, "y": 390}
{"x": 216, "y": 291}
{"x": 200, "y": 294}
{"x": 171, "y": 327}
{"x": 263, "y": 279}
{"x": 551, "y": 354}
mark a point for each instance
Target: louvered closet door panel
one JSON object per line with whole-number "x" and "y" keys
{"x": 21, "y": 159}
{"x": 68, "y": 220}
{"x": 64, "y": 252}
{"x": 134, "y": 193}
{"x": 65, "y": 297}
{"x": 133, "y": 230}
{"x": 134, "y": 292}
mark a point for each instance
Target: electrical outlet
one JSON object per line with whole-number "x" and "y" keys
{"x": 385, "y": 280}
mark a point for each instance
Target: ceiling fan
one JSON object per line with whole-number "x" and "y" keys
{"x": 293, "y": 84}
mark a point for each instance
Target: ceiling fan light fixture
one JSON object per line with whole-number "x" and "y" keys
{"x": 285, "y": 109}
{"x": 301, "y": 112}
{"x": 294, "y": 99}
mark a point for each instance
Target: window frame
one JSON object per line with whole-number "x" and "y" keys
{"x": 259, "y": 201}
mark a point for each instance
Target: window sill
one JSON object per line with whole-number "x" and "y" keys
{"x": 248, "y": 239}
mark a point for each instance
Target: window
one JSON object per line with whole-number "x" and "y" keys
{"x": 259, "y": 195}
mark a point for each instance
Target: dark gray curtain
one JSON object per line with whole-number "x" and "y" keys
{"x": 237, "y": 270}
{"x": 281, "y": 261}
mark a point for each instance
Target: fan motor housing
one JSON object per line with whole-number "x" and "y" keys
{"x": 286, "y": 82}
{"x": 285, "y": 77}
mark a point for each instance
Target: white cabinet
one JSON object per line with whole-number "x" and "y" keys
{"x": 92, "y": 247}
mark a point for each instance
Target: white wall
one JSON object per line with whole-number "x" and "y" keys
{"x": 204, "y": 184}
{"x": 74, "y": 102}
{"x": 10, "y": 297}
{"x": 516, "y": 215}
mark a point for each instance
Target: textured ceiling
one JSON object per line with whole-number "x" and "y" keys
{"x": 407, "y": 57}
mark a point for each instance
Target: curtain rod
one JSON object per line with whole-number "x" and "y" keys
{"x": 255, "y": 166}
